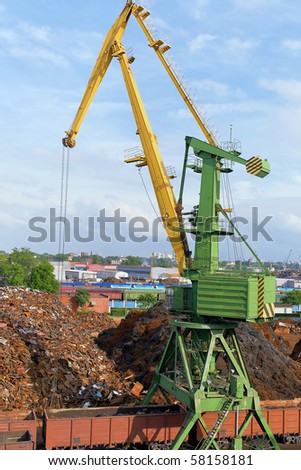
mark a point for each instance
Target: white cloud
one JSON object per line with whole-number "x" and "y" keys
{"x": 254, "y": 4}
{"x": 24, "y": 42}
{"x": 291, "y": 222}
{"x": 292, "y": 45}
{"x": 289, "y": 89}
{"x": 201, "y": 42}
{"x": 245, "y": 190}
{"x": 219, "y": 90}
{"x": 156, "y": 22}
{"x": 39, "y": 33}
{"x": 233, "y": 107}
{"x": 39, "y": 54}
{"x": 9, "y": 220}
{"x": 8, "y": 35}
{"x": 42, "y": 43}
{"x": 237, "y": 45}
{"x": 233, "y": 49}
{"x": 297, "y": 178}
{"x": 200, "y": 8}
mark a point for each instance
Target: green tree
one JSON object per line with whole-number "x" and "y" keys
{"x": 12, "y": 274}
{"x": 60, "y": 257}
{"x": 82, "y": 296}
{"x": 147, "y": 300}
{"x": 97, "y": 259}
{"x": 293, "y": 297}
{"x": 164, "y": 263}
{"x": 42, "y": 278}
{"x": 132, "y": 261}
{"x": 3, "y": 258}
{"x": 27, "y": 259}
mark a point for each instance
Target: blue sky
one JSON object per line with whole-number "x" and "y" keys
{"x": 241, "y": 61}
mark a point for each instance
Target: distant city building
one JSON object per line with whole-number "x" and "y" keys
{"x": 164, "y": 273}
{"x": 59, "y": 269}
{"x": 283, "y": 309}
{"x": 158, "y": 255}
{"x": 118, "y": 261}
{"x": 84, "y": 272}
{"x": 136, "y": 273}
{"x": 288, "y": 283}
{"x": 99, "y": 302}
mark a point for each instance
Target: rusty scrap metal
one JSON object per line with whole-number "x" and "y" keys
{"x": 48, "y": 356}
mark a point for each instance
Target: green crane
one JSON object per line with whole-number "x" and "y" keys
{"x": 202, "y": 365}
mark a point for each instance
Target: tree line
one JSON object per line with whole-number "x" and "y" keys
{"x": 24, "y": 268}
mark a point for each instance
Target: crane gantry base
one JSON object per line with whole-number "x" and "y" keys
{"x": 202, "y": 367}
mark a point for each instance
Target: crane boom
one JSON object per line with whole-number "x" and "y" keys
{"x": 101, "y": 66}
{"x": 160, "y": 49}
{"x": 170, "y": 213}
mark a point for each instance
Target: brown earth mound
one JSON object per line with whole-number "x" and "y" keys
{"x": 137, "y": 344}
{"x": 48, "y": 356}
{"x": 273, "y": 373}
{"x": 296, "y": 354}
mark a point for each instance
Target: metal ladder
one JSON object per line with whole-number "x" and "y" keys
{"x": 206, "y": 443}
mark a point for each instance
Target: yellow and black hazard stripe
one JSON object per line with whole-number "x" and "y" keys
{"x": 265, "y": 311}
{"x": 261, "y": 297}
{"x": 254, "y": 165}
{"x": 269, "y": 310}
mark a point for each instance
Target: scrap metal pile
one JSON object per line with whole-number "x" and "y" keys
{"x": 274, "y": 365}
{"x": 52, "y": 358}
{"x": 137, "y": 344}
{"x": 48, "y": 357}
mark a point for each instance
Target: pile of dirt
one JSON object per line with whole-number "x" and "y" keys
{"x": 137, "y": 345}
{"x": 273, "y": 373}
{"x": 48, "y": 356}
{"x": 296, "y": 354}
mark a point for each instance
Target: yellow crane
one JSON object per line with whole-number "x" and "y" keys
{"x": 170, "y": 210}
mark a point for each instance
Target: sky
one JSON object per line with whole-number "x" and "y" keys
{"x": 240, "y": 62}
